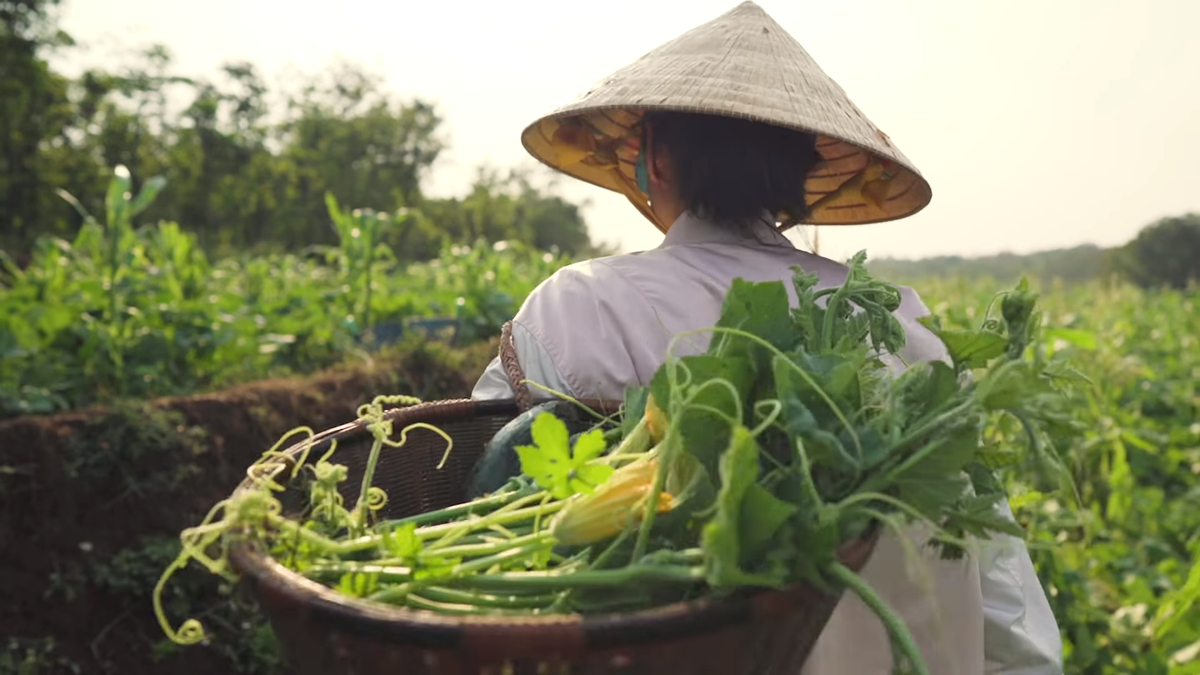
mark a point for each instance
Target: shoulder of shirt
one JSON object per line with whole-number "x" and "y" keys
{"x": 588, "y": 273}
{"x": 599, "y": 275}
{"x": 582, "y": 274}
{"x": 579, "y": 282}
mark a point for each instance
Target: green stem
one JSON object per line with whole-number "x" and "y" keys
{"x": 360, "y": 509}
{"x": 379, "y": 428}
{"x": 891, "y": 621}
{"x": 457, "y": 596}
{"x": 939, "y": 532}
{"x": 369, "y": 236}
{"x": 451, "y": 532}
{"x": 672, "y": 444}
{"x": 739, "y": 414}
{"x": 804, "y": 375}
{"x": 388, "y": 573}
{"x": 598, "y": 564}
{"x": 859, "y": 497}
{"x": 495, "y": 518}
{"x": 472, "y": 550}
{"x": 776, "y": 408}
{"x": 938, "y": 420}
{"x": 553, "y": 581}
{"x": 830, "y": 314}
{"x": 883, "y": 478}
{"x": 452, "y": 512}
{"x": 397, "y": 593}
{"x": 808, "y": 485}
{"x": 608, "y": 553}
{"x": 424, "y": 601}
{"x": 687, "y": 556}
{"x": 322, "y": 544}
{"x": 668, "y": 444}
{"x": 638, "y": 440}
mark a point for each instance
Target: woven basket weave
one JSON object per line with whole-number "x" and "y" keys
{"x": 326, "y": 633}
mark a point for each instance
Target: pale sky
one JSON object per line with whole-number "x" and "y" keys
{"x": 1039, "y": 123}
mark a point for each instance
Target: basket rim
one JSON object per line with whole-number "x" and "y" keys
{"x": 673, "y": 619}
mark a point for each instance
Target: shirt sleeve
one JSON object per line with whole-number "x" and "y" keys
{"x": 580, "y": 332}
{"x": 535, "y": 363}
{"x": 920, "y": 343}
{"x": 493, "y": 385}
{"x": 1020, "y": 633}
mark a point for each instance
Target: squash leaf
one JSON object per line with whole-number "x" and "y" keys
{"x": 721, "y": 538}
{"x": 552, "y": 464}
{"x": 968, "y": 348}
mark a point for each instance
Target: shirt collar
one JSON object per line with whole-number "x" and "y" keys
{"x": 689, "y": 228}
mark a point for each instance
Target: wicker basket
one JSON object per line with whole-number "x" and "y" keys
{"x": 323, "y": 632}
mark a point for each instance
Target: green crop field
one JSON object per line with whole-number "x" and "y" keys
{"x": 1121, "y": 567}
{"x": 141, "y": 312}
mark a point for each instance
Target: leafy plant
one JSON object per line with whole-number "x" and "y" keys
{"x": 749, "y": 466}
{"x": 137, "y": 313}
{"x": 24, "y": 656}
{"x": 1121, "y": 570}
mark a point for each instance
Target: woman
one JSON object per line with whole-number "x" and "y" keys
{"x": 716, "y": 137}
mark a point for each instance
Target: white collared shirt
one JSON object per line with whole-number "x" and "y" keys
{"x": 596, "y": 327}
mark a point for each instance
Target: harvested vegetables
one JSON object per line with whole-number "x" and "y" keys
{"x": 746, "y": 466}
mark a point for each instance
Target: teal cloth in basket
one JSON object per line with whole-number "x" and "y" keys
{"x": 499, "y": 461}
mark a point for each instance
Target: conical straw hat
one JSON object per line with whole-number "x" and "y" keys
{"x": 741, "y": 64}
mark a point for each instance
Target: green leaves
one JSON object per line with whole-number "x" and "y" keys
{"x": 1020, "y": 320}
{"x": 708, "y": 398}
{"x": 968, "y": 349}
{"x": 848, "y": 441}
{"x": 402, "y": 542}
{"x": 179, "y": 321}
{"x": 932, "y": 478}
{"x": 975, "y": 516}
{"x": 860, "y": 292}
{"x": 758, "y": 308}
{"x": 762, "y": 516}
{"x": 634, "y": 408}
{"x": 724, "y": 539}
{"x": 551, "y": 462}
{"x": 925, "y": 387}
{"x": 358, "y": 584}
{"x": 150, "y": 190}
{"x": 1079, "y": 338}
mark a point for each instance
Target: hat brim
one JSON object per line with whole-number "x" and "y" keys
{"x": 744, "y": 65}
{"x": 833, "y": 194}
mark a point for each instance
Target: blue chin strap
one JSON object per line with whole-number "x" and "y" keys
{"x": 643, "y": 176}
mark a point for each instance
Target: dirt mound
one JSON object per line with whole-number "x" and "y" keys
{"x": 92, "y": 502}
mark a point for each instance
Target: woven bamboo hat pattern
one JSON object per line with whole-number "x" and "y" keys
{"x": 741, "y": 64}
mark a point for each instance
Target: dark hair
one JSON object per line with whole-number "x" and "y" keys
{"x": 730, "y": 169}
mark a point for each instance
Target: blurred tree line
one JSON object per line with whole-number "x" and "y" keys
{"x": 1068, "y": 266}
{"x": 1164, "y": 254}
{"x": 247, "y": 169}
